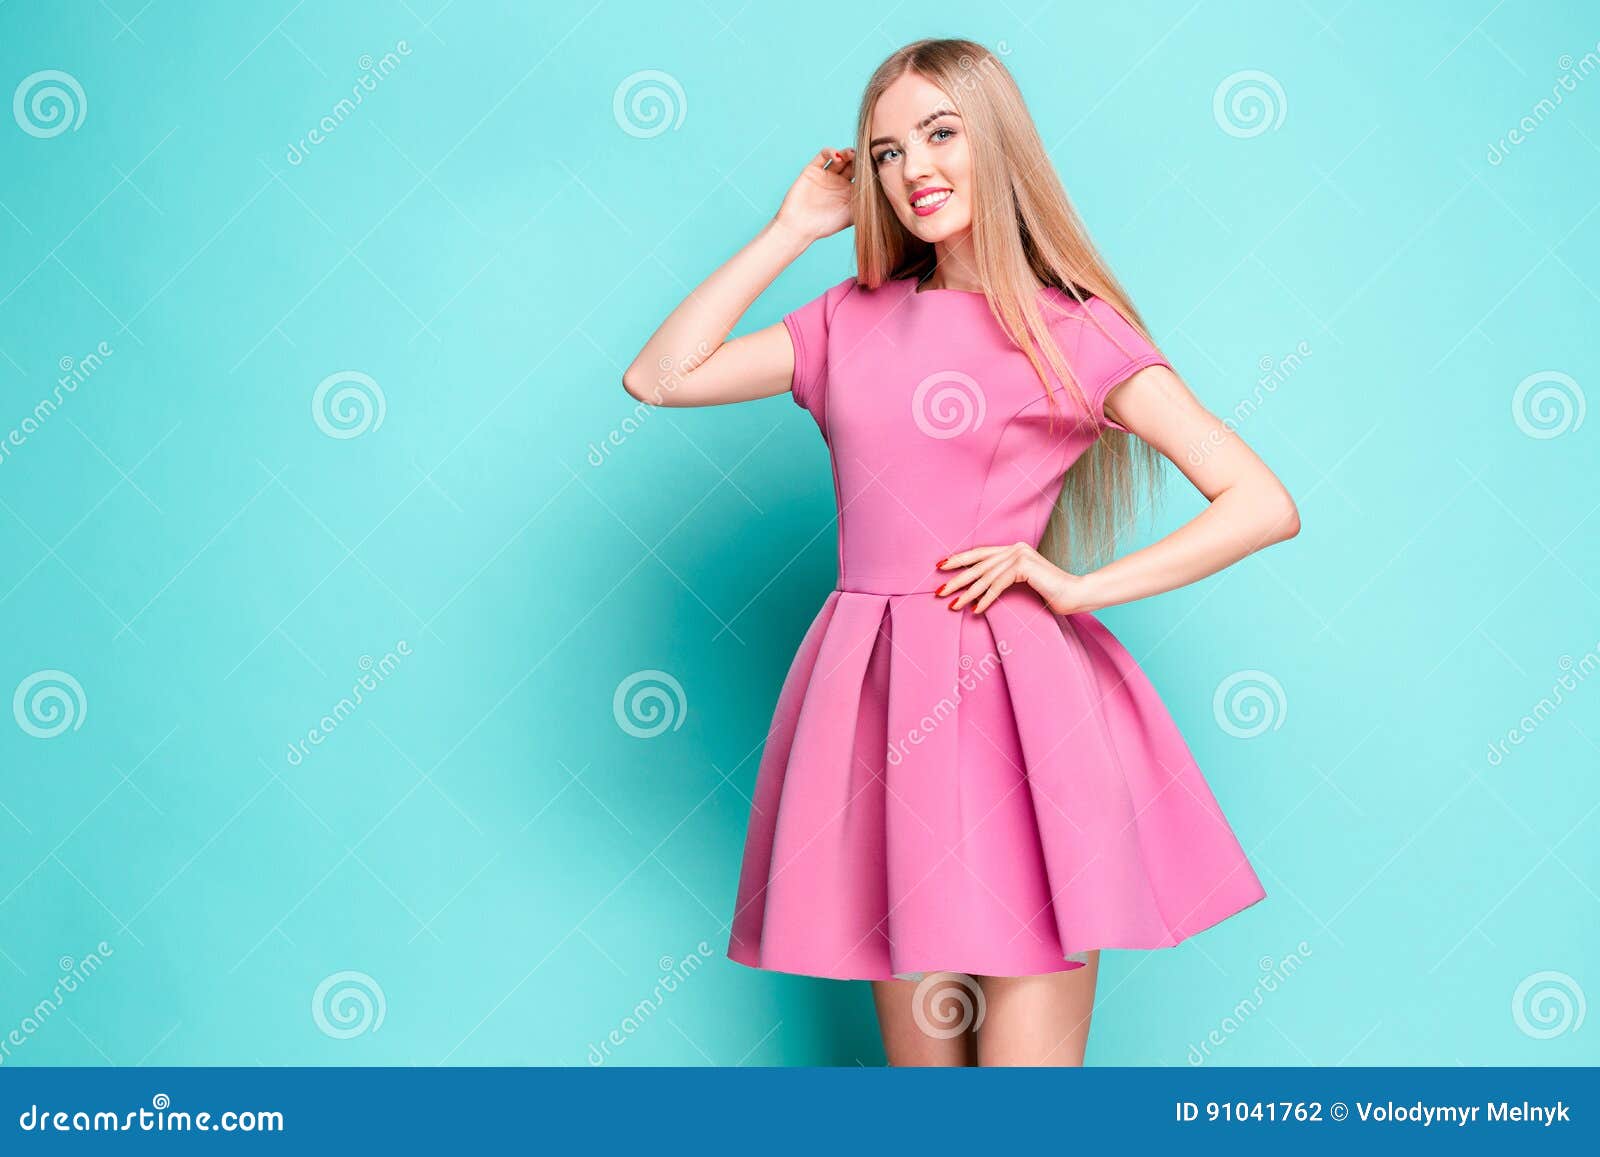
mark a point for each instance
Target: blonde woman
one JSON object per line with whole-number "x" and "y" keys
{"x": 981, "y": 800}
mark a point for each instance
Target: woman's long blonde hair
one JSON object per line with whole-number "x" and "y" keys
{"x": 1024, "y": 232}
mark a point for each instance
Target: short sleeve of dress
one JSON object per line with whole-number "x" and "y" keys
{"x": 1108, "y": 354}
{"x": 808, "y": 330}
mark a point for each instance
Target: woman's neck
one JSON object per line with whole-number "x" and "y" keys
{"x": 953, "y": 267}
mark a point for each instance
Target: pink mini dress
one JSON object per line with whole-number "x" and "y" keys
{"x": 995, "y": 793}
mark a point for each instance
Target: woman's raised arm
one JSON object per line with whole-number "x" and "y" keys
{"x": 688, "y": 361}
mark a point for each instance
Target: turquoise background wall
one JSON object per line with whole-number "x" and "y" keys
{"x": 345, "y": 409}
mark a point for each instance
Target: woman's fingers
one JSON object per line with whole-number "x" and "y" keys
{"x": 840, "y": 161}
{"x": 956, "y": 576}
{"x": 974, "y": 564}
{"x": 996, "y": 575}
{"x": 988, "y": 571}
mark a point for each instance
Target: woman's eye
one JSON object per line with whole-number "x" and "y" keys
{"x": 891, "y": 154}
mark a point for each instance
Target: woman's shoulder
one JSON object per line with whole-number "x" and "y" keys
{"x": 1074, "y": 302}
{"x": 851, "y": 294}
{"x": 1087, "y": 311}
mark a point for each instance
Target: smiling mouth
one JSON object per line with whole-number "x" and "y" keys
{"x": 930, "y": 202}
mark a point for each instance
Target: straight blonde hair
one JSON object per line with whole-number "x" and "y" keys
{"x": 1025, "y": 232}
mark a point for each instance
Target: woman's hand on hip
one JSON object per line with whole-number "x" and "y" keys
{"x": 980, "y": 574}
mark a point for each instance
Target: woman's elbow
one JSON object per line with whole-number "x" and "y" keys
{"x": 638, "y": 388}
{"x": 1285, "y": 519}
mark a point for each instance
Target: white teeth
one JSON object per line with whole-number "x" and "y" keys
{"x": 931, "y": 199}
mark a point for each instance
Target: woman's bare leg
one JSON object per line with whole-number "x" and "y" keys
{"x": 1037, "y": 1020}
{"x": 928, "y": 1021}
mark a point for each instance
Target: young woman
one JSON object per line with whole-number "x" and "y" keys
{"x": 981, "y": 799}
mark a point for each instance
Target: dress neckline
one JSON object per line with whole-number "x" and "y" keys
{"x": 913, "y": 291}
{"x": 914, "y": 281}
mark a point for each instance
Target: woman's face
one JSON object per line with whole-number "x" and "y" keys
{"x": 919, "y": 150}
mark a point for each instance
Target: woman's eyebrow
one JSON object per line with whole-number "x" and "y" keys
{"x": 923, "y": 123}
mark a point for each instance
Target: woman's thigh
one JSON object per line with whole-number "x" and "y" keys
{"x": 1037, "y": 1020}
{"x": 929, "y": 1021}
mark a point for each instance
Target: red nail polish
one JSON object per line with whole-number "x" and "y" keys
{"x": 942, "y": 561}
{"x": 953, "y": 602}
{"x": 940, "y": 591}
